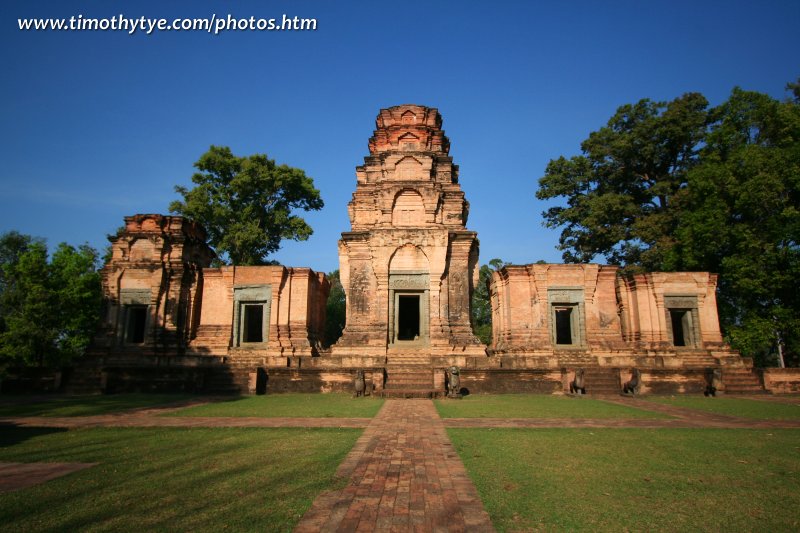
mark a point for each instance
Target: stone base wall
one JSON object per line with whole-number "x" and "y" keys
{"x": 249, "y": 373}
{"x": 782, "y": 380}
{"x": 672, "y": 381}
{"x": 317, "y": 380}
{"x": 499, "y": 381}
{"x": 27, "y": 380}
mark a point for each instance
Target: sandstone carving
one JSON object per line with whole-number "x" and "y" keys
{"x": 714, "y": 382}
{"x": 359, "y": 384}
{"x": 634, "y": 384}
{"x": 576, "y": 386}
{"x": 454, "y": 382}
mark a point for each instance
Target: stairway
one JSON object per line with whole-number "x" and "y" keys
{"x": 697, "y": 360}
{"x": 741, "y": 381}
{"x": 85, "y": 378}
{"x": 226, "y": 380}
{"x": 409, "y": 381}
{"x": 601, "y": 380}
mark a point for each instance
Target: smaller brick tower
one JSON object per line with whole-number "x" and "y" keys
{"x": 152, "y": 285}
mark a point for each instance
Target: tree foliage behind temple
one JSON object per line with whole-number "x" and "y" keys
{"x": 336, "y": 309}
{"x": 678, "y": 186}
{"x": 49, "y": 309}
{"x": 247, "y": 204}
{"x": 482, "y": 304}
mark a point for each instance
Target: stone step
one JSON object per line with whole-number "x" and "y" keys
{"x": 420, "y": 361}
{"x": 226, "y": 381}
{"x": 601, "y": 381}
{"x": 414, "y": 376}
{"x": 407, "y": 381}
{"x": 394, "y": 382}
{"x": 84, "y": 380}
{"x": 741, "y": 381}
{"x": 411, "y": 393}
{"x": 698, "y": 361}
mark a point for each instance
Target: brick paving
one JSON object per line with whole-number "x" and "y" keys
{"x": 404, "y": 475}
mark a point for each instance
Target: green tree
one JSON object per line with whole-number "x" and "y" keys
{"x": 481, "y": 302}
{"x": 29, "y": 305}
{"x": 740, "y": 217}
{"x": 12, "y": 245}
{"x": 335, "y": 310}
{"x": 681, "y": 187}
{"x": 246, "y": 204}
{"x": 50, "y": 308}
{"x": 619, "y": 192}
{"x": 76, "y": 284}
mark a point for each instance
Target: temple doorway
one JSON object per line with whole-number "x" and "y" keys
{"x": 408, "y": 327}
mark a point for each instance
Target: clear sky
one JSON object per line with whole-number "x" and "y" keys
{"x": 99, "y": 125}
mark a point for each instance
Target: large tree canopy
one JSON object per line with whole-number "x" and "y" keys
{"x": 678, "y": 186}
{"x": 619, "y": 192}
{"x": 246, "y": 204}
{"x": 49, "y": 310}
{"x": 740, "y": 216}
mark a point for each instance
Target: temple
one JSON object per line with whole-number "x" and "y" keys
{"x": 409, "y": 266}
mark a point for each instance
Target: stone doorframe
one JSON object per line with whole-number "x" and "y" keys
{"x": 409, "y": 284}
{"x": 686, "y": 304}
{"x": 568, "y": 298}
{"x": 244, "y": 295}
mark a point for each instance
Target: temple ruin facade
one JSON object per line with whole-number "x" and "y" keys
{"x": 409, "y": 263}
{"x": 408, "y": 266}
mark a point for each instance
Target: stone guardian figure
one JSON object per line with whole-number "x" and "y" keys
{"x": 576, "y": 386}
{"x": 713, "y": 382}
{"x": 634, "y": 384}
{"x": 453, "y": 382}
{"x": 359, "y": 384}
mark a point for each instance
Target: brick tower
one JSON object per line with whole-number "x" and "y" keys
{"x": 408, "y": 265}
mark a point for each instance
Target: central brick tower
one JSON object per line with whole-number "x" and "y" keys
{"x": 409, "y": 265}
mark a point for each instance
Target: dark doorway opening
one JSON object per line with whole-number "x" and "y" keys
{"x": 680, "y": 327}
{"x": 253, "y": 323}
{"x": 564, "y": 325}
{"x": 137, "y": 318}
{"x": 407, "y": 318}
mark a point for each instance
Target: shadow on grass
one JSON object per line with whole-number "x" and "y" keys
{"x": 60, "y": 405}
{"x": 194, "y": 479}
{"x": 11, "y": 434}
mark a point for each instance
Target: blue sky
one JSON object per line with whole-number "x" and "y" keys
{"x": 99, "y": 125}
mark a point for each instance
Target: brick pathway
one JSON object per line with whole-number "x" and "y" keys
{"x": 404, "y": 476}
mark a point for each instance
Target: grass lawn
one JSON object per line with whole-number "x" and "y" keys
{"x": 185, "y": 479}
{"x": 635, "y": 479}
{"x": 536, "y": 406}
{"x": 295, "y": 405}
{"x": 733, "y": 406}
{"x": 83, "y": 405}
